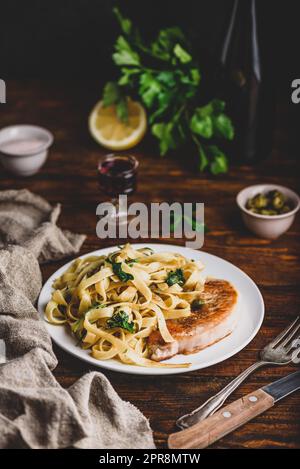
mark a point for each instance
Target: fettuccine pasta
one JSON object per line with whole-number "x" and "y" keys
{"x": 113, "y": 303}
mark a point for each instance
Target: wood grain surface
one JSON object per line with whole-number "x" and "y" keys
{"x": 70, "y": 177}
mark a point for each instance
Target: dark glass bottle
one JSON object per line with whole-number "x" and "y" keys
{"x": 246, "y": 85}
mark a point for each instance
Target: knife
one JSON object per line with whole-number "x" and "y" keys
{"x": 234, "y": 415}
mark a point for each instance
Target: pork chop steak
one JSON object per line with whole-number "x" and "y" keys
{"x": 213, "y": 321}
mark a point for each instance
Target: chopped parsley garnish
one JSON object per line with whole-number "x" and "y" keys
{"x": 77, "y": 324}
{"x": 121, "y": 319}
{"x": 175, "y": 277}
{"x": 119, "y": 272}
{"x": 197, "y": 304}
{"x": 77, "y": 329}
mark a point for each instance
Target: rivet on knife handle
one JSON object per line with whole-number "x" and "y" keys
{"x": 222, "y": 422}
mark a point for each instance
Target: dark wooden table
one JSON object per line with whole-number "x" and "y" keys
{"x": 69, "y": 177}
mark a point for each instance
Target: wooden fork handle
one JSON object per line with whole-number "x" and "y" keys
{"x": 222, "y": 422}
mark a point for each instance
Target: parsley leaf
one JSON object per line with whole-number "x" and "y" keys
{"x": 128, "y": 75}
{"x": 149, "y": 88}
{"x": 175, "y": 277}
{"x": 223, "y": 126}
{"x": 219, "y": 162}
{"x": 165, "y": 133}
{"x": 210, "y": 120}
{"x": 120, "y": 319}
{"x": 77, "y": 324}
{"x": 124, "y": 54}
{"x": 113, "y": 95}
{"x": 201, "y": 125}
{"x": 119, "y": 272}
{"x": 167, "y": 38}
{"x": 182, "y": 54}
{"x": 125, "y": 23}
{"x": 122, "y": 110}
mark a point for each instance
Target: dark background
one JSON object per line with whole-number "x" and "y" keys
{"x": 73, "y": 39}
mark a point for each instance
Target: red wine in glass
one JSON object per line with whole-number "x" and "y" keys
{"x": 117, "y": 175}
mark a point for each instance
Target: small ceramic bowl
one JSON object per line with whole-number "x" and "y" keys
{"x": 24, "y": 148}
{"x": 267, "y": 226}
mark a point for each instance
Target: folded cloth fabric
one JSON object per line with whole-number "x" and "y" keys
{"x": 28, "y": 220}
{"x": 35, "y": 411}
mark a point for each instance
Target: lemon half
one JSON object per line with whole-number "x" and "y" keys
{"x": 107, "y": 129}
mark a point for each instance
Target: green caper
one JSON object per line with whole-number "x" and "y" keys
{"x": 286, "y": 208}
{"x": 268, "y": 212}
{"x": 278, "y": 201}
{"x": 260, "y": 201}
{"x": 250, "y": 204}
{"x": 273, "y": 193}
{"x": 253, "y": 210}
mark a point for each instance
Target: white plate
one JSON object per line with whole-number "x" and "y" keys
{"x": 250, "y": 304}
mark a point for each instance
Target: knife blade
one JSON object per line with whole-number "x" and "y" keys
{"x": 234, "y": 415}
{"x": 284, "y": 386}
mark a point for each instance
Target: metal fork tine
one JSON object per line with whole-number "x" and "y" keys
{"x": 284, "y": 333}
{"x": 290, "y": 336}
{"x": 292, "y": 346}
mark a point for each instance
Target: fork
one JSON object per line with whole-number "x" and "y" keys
{"x": 277, "y": 352}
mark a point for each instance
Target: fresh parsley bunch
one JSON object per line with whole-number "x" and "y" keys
{"x": 166, "y": 78}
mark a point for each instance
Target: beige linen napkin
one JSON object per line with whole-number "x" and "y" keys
{"x": 35, "y": 411}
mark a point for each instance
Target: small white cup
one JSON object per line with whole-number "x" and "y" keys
{"x": 267, "y": 226}
{"x": 27, "y": 162}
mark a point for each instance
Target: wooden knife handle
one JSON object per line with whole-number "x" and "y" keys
{"x": 222, "y": 422}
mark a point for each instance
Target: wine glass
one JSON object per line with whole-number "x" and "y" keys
{"x": 117, "y": 175}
